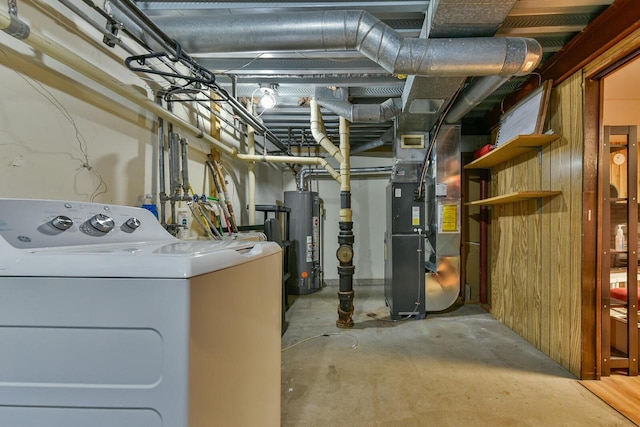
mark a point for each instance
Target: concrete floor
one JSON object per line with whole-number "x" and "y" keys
{"x": 462, "y": 368}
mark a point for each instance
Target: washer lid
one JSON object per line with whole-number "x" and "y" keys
{"x": 173, "y": 259}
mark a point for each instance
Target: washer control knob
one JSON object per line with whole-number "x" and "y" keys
{"x": 102, "y": 223}
{"x": 62, "y": 222}
{"x": 132, "y": 223}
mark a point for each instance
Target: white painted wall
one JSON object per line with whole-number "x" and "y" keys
{"x": 64, "y": 137}
{"x": 369, "y": 220}
{"x": 622, "y": 96}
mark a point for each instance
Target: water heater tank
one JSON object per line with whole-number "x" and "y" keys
{"x": 304, "y": 234}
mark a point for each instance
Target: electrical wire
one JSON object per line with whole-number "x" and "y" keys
{"x": 401, "y": 319}
{"x": 82, "y": 142}
{"x": 326, "y": 334}
{"x": 244, "y": 66}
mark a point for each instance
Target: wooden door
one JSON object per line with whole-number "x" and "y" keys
{"x": 618, "y": 243}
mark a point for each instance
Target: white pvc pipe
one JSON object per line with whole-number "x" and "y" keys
{"x": 61, "y": 54}
{"x": 251, "y": 148}
{"x": 317, "y": 130}
{"x": 295, "y": 160}
{"x": 345, "y": 166}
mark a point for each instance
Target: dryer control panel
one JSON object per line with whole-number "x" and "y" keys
{"x": 31, "y": 224}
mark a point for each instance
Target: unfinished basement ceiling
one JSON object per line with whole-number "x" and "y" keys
{"x": 298, "y": 72}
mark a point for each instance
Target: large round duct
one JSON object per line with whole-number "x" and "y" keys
{"x": 443, "y": 287}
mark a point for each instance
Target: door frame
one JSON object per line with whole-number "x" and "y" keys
{"x": 592, "y": 327}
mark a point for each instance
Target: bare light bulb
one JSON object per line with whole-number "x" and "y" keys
{"x": 267, "y": 101}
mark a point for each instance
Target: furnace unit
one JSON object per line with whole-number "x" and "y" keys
{"x": 404, "y": 243}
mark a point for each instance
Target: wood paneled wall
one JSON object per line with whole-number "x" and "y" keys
{"x": 536, "y": 245}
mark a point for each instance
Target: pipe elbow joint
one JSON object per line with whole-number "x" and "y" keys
{"x": 315, "y": 131}
{"x": 523, "y": 56}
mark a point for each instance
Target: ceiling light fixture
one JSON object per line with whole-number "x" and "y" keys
{"x": 269, "y": 93}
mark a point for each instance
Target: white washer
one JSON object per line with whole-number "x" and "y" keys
{"x": 108, "y": 320}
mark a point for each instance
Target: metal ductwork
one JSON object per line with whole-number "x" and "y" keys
{"x": 354, "y": 30}
{"x": 337, "y": 101}
{"x": 474, "y": 95}
{"x": 445, "y": 18}
{"x": 365, "y": 113}
{"x": 385, "y": 138}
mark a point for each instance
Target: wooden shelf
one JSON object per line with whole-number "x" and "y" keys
{"x": 514, "y": 197}
{"x": 517, "y": 146}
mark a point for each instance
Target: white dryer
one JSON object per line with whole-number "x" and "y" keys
{"x": 108, "y": 320}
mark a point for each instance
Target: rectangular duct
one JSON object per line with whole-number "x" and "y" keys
{"x": 444, "y": 197}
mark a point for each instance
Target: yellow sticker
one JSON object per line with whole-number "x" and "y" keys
{"x": 449, "y": 218}
{"x": 415, "y": 215}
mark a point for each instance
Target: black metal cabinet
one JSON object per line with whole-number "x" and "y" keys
{"x": 404, "y": 252}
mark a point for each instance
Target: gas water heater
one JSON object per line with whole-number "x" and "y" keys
{"x": 304, "y": 234}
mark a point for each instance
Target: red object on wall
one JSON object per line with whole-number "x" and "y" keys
{"x": 482, "y": 151}
{"x": 621, "y": 294}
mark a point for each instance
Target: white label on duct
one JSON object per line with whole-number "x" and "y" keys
{"x": 398, "y": 192}
{"x": 441, "y": 190}
{"x": 309, "y": 249}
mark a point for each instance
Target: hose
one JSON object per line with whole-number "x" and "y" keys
{"x": 223, "y": 205}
